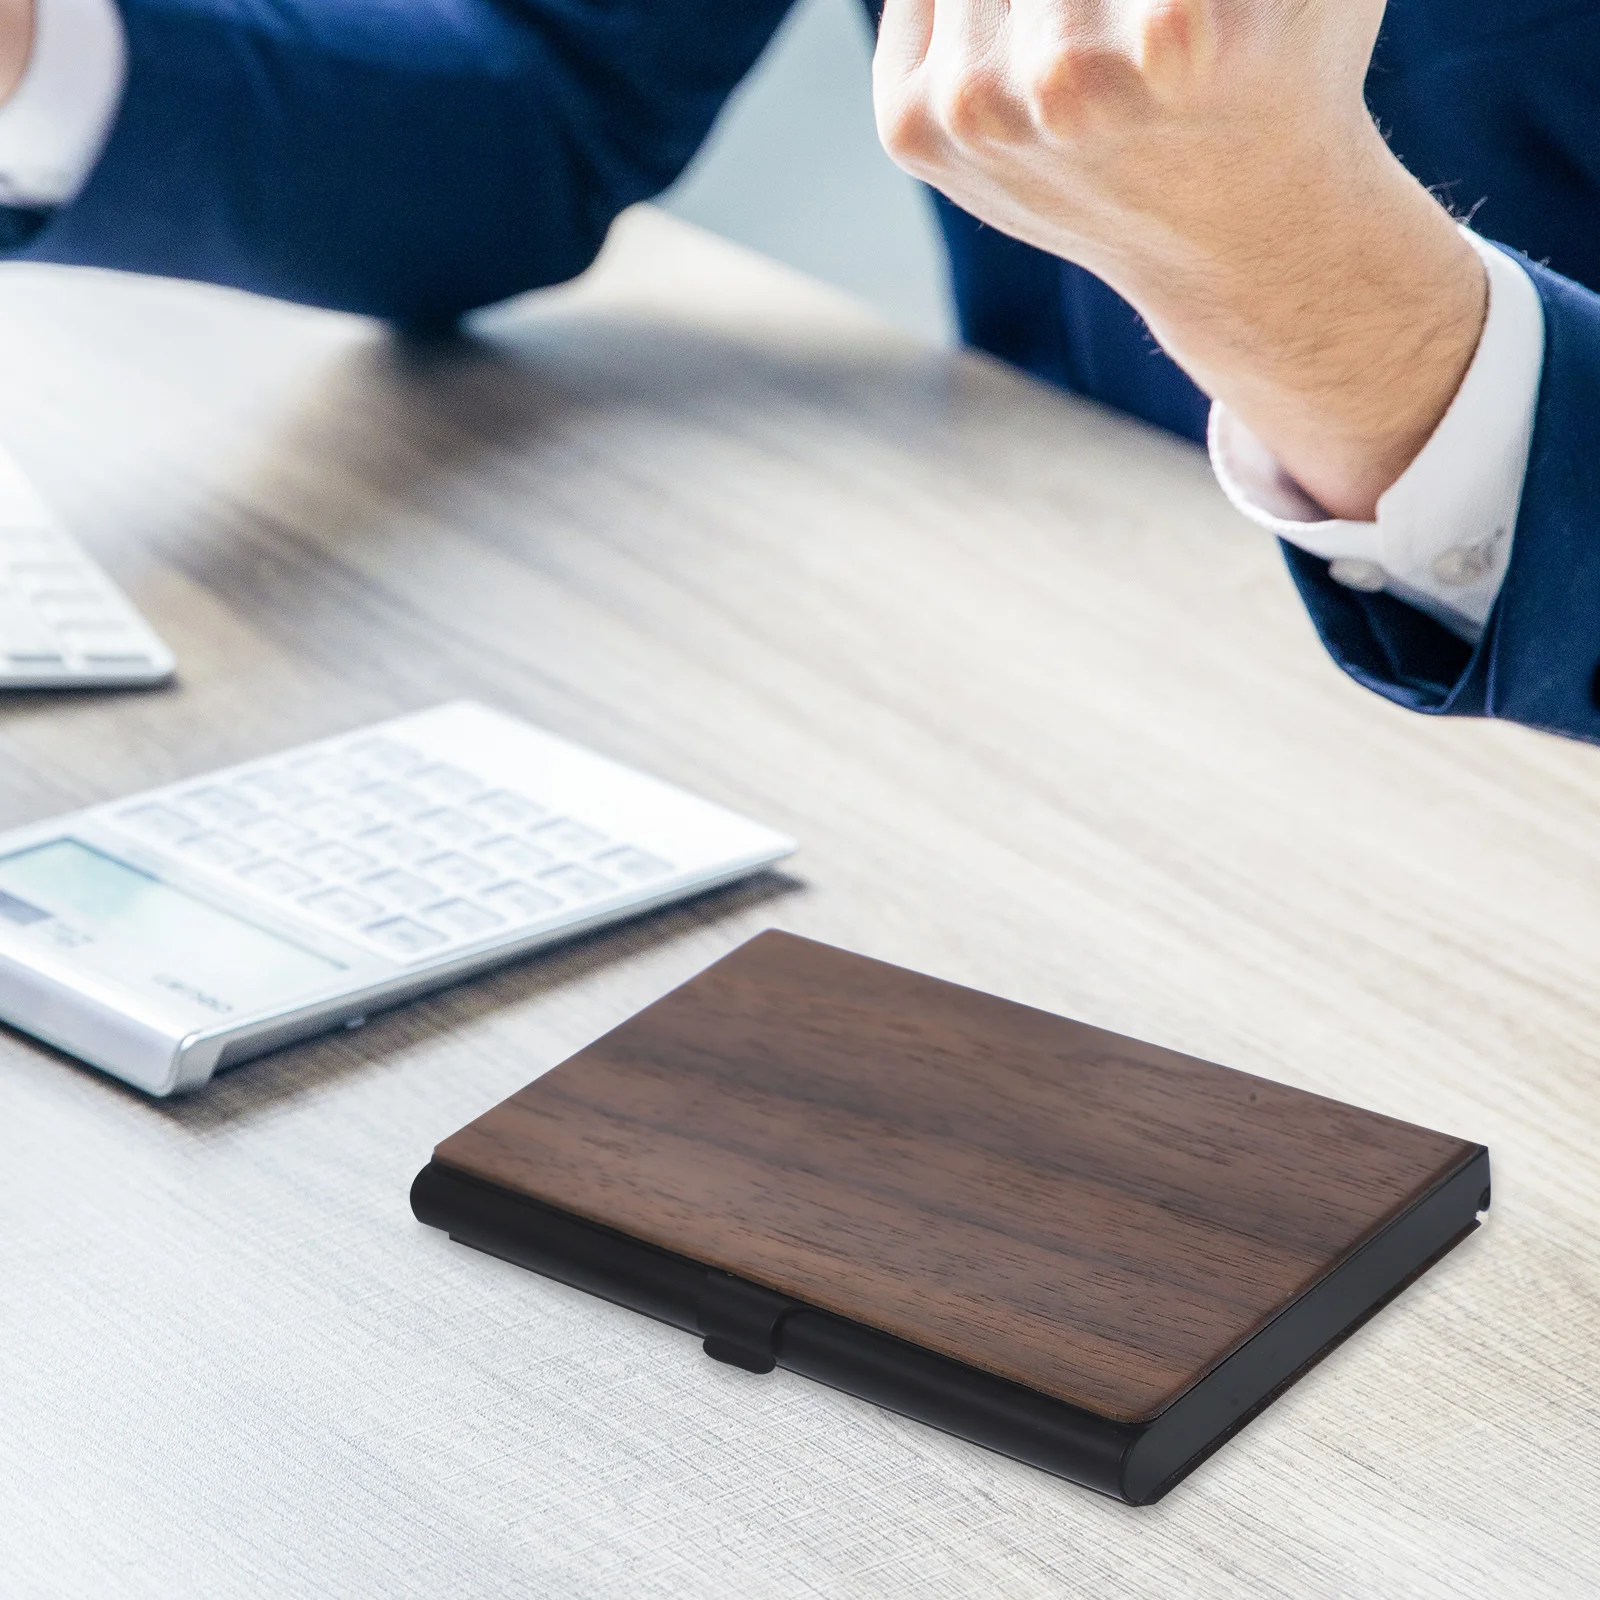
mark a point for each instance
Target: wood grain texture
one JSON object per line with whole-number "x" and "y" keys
{"x": 1047, "y": 720}
{"x": 1096, "y": 1218}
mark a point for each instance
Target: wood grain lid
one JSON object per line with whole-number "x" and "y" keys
{"x": 1096, "y": 1218}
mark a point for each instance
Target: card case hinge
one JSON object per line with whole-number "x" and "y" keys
{"x": 740, "y": 1321}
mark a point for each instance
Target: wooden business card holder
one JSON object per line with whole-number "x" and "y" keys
{"x": 1092, "y": 1254}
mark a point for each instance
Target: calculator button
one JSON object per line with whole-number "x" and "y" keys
{"x": 219, "y": 807}
{"x": 323, "y": 771}
{"x": 216, "y": 849}
{"x": 456, "y": 871}
{"x": 515, "y": 855}
{"x": 405, "y": 937}
{"x": 463, "y": 918}
{"x": 569, "y": 837}
{"x": 577, "y": 883}
{"x": 444, "y": 782}
{"x": 334, "y": 816}
{"x": 278, "y": 787}
{"x": 637, "y": 865}
{"x": 387, "y": 757}
{"x": 401, "y": 888}
{"x": 400, "y": 844}
{"x": 159, "y": 822}
{"x": 277, "y": 877}
{"x": 507, "y": 809}
{"x": 275, "y": 833}
{"x": 341, "y": 905}
{"x": 519, "y": 902}
{"x": 335, "y": 860}
{"x": 393, "y": 798}
{"x": 453, "y": 827}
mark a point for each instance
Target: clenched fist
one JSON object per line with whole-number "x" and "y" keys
{"x": 1215, "y": 163}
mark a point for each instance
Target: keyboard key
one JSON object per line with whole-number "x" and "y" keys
{"x": 222, "y": 808}
{"x": 116, "y": 658}
{"x": 568, "y": 837}
{"x": 456, "y": 871}
{"x": 464, "y": 919}
{"x": 334, "y": 816}
{"x": 275, "y": 833}
{"x": 405, "y": 937}
{"x": 158, "y": 821}
{"x": 393, "y": 798}
{"x": 399, "y": 844}
{"x": 216, "y": 849}
{"x": 401, "y": 888}
{"x": 453, "y": 827}
{"x": 444, "y": 782}
{"x": 277, "y": 877}
{"x": 508, "y": 810}
{"x": 341, "y": 905}
{"x": 515, "y": 856}
{"x": 636, "y": 865}
{"x": 519, "y": 902}
{"x": 336, "y": 860}
{"x": 577, "y": 883}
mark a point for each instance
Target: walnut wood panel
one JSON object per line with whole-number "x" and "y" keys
{"x": 1047, "y": 719}
{"x": 1097, "y": 1218}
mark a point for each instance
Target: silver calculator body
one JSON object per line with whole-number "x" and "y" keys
{"x": 172, "y": 934}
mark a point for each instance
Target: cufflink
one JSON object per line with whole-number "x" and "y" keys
{"x": 1367, "y": 576}
{"x": 1465, "y": 563}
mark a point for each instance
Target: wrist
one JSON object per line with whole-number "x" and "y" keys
{"x": 1337, "y": 321}
{"x": 16, "y": 44}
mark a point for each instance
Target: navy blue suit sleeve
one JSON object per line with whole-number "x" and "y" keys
{"x": 1538, "y": 658}
{"x": 407, "y": 158}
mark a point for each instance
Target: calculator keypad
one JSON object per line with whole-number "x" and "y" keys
{"x": 387, "y": 846}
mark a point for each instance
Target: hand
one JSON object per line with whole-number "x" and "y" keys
{"x": 16, "y": 43}
{"x": 1215, "y": 163}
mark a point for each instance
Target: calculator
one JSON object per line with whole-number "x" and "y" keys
{"x": 173, "y": 934}
{"x": 63, "y": 623}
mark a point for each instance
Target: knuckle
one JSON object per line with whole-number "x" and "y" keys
{"x": 971, "y": 105}
{"x": 1066, "y": 89}
{"x": 908, "y": 132}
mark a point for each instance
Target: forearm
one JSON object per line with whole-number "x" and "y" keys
{"x": 411, "y": 162}
{"x": 1342, "y": 339}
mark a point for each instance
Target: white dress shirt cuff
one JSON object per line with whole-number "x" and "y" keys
{"x": 54, "y": 124}
{"x": 1442, "y": 538}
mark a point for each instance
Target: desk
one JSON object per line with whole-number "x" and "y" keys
{"x": 1047, "y": 719}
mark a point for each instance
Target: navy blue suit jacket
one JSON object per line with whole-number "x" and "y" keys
{"x": 415, "y": 158}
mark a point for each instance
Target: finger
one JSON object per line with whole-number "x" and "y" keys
{"x": 1177, "y": 45}
{"x": 906, "y": 127}
{"x": 904, "y": 32}
{"x": 969, "y": 82}
{"x": 1080, "y": 61}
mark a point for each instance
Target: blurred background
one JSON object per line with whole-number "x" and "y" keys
{"x": 794, "y": 168}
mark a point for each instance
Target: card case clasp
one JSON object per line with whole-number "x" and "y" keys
{"x": 740, "y": 1321}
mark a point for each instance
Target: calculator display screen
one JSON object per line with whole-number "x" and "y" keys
{"x": 122, "y": 919}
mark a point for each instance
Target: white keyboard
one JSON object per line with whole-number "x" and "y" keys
{"x": 63, "y": 623}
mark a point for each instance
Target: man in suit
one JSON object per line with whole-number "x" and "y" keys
{"x": 1210, "y": 213}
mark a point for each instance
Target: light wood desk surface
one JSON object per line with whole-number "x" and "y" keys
{"x": 1047, "y": 720}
